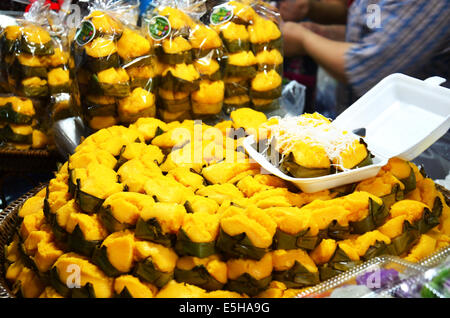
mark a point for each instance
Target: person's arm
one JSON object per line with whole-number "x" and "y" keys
{"x": 412, "y": 39}
{"x": 324, "y": 12}
{"x": 330, "y": 54}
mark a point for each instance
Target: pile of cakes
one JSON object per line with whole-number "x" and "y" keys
{"x": 179, "y": 210}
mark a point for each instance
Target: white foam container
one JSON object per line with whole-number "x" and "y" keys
{"x": 402, "y": 115}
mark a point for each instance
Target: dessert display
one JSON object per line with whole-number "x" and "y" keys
{"x": 139, "y": 214}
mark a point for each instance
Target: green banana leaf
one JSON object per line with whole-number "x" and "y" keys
{"x": 185, "y": 246}
{"x": 151, "y": 230}
{"x": 297, "y": 171}
{"x": 147, "y": 271}
{"x": 100, "y": 258}
{"x": 198, "y": 276}
{"x": 238, "y": 246}
{"x": 8, "y": 114}
{"x": 297, "y": 276}
{"x": 377, "y": 214}
{"x": 77, "y": 243}
{"x": 247, "y": 284}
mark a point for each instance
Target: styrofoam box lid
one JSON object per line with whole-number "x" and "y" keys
{"x": 402, "y": 115}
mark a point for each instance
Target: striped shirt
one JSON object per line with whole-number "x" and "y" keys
{"x": 408, "y": 36}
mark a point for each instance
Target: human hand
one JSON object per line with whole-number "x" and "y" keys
{"x": 292, "y": 39}
{"x": 294, "y": 10}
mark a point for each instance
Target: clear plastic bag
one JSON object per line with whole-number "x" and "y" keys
{"x": 37, "y": 66}
{"x": 253, "y": 60}
{"x": 115, "y": 67}
{"x": 190, "y": 55}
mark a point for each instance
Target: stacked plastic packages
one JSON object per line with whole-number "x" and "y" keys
{"x": 254, "y": 61}
{"x": 116, "y": 69}
{"x": 38, "y": 80}
{"x": 190, "y": 54}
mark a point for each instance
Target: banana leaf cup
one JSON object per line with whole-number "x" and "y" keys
{"x": 377, "y": 214}
{"x": 185, "y": 246}
{"x": 8, "y": 114}
{"x": 176, "y": 105}
{"x": 247, "y": 284}
{"x": 198, "y": 276}
{"x": 297, "y": 171}
{"x": 276, "y": 44}
{"x": 128, "y": 286}
{"x": 181, "y": 78}
{"x": 235, "y": 37}
{"x": 208, "y": 68}
{"x": 135, "y": 49}
{"x": 21, "y": 71}
{"x": 21, "y": 134}
{"x": 411, "y": 232}
{"x": 88, "y": 203}
{"x": 147, "y": 271}
{"x": 409, "y": 182}
{"x": 236, "y": 45}
{"x": 36, "y": 40}
{"x": 236, "y": 86}
{"x": 267, "y": 95}
{"x": 63, "y": 107}
{"x": 298, "y": 276}
{"x": 120, "y": 89}
{"x": 200, "y": 273}
{"x": 77, "y": 242}
{"x": 86, "y": 291}
{"x": 174, "y": 58}
{"x": 100, "y": 258}
{"x": 182, "y": 102}
{"x": 206, "y": 109}
{"x": 265, "y": 34}
{"x": 98, "y": 64}
{"x": 59, "y": 81}
{"x": 33, "y": 87}
{"x": 60, "y": 233}
{"x": 396, "y": 194}
{"x": 244, "y": 71}
{"x": 302, "y": 239}
{"x": 339, "y": 263}
{"x": 140, "y": 103}
{"x": 208, "y": 100}
{"x": 10, "y": 38}
{"x": 110, "y": 222}
{"x": 96, "y": 56}
{"x": 238, "y": 246}
{"x": 148, "y": 83}
{"x": 151, "y": 230}
{"x": 213, "y": 53}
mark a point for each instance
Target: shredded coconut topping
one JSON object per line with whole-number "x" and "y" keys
{"x": 313, "y": 131}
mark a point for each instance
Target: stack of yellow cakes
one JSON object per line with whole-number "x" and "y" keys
{"x": 178, "y": 210}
